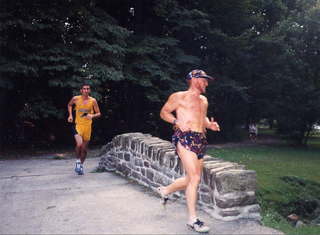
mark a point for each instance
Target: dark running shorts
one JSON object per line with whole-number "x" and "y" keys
{"x": 192, "y": 141}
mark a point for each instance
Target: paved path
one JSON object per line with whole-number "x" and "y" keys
{"x": 44, "y": 196}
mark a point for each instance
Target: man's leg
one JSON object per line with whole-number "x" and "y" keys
{"x": 83, "y": 153}
{"x": 193, "y": 167}
{"x": 85, "y": 142}
{"x": 79, "y": 141}
{"x": 177, "y": 185}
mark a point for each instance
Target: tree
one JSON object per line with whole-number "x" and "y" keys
{"x": 135, "y": 53}
{"x": 299, "y": 108}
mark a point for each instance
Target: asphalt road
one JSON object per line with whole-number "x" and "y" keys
{"x": 45, "y": 196}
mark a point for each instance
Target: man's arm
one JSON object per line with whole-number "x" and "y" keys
{"x": 70, "y": 104}
{"x": 212, "y": 125}
{"x": 209, "y": 124}
{"x": 168, "y": 108}
{"x": 206, "y": 104}
{"x": 96, "y": 110}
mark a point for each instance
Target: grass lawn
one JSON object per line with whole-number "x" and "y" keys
{"x": 276, "y": 193}
{"x": 314, "y": 141}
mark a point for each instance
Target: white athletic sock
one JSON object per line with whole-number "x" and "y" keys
{"x": 78, "y": 161}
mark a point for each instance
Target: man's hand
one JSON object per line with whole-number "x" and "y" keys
{"x": 89, "y": 116}
{"x": 212, "y": 125}
{"x": 70, "y": 119}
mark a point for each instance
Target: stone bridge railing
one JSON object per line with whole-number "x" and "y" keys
{"x": 226, "y": 191}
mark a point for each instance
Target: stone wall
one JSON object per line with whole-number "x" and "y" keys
{"x": 226, "y": 191}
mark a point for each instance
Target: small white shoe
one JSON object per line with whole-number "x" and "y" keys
{"x": 164, "y": 199}
{"x": 199, "y": 227}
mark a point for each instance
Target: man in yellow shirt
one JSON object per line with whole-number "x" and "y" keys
{"x": 86, "y": 108}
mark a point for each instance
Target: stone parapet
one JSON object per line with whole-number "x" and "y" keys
{"x": 227, "y": 190}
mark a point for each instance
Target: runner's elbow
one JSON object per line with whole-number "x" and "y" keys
{"x": 164, "y": 115}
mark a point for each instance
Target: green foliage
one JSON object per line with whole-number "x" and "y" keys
{"x": 272, "y": 218}
{"x": 298, "y": 103}
{"x": 36, "y": 108}
{"x": 288, "y": 182}
{"x": 135, "y": 53}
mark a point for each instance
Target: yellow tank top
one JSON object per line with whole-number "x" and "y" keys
{"x": 82, "y": 109}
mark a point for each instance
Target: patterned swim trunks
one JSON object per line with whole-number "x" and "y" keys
{"x": 192, "y": 141}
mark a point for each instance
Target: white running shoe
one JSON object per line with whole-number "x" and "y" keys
{"x": 77, "y": 168}
{"x": 164, "y": 199}
{"x": 198, "y": 226}
{"x": 81, "y": 172}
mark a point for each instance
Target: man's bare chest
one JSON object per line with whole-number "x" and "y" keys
{"x": 192, "y": 104}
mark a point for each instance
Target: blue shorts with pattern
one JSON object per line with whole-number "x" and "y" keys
{"x": 192, "y": 141}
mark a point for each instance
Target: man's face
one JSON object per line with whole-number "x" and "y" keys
{"x": 203, "y": 83}
{"x": 85, "y": 90}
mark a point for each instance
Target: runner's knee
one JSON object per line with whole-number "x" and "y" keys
{"x": 194, "y": 179}
{"x": 78, "y": 145}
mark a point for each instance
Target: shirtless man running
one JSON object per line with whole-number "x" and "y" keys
{"x": 190, "y": 124}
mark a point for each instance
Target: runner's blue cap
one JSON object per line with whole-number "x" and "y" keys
{"x": 197, "y": 73}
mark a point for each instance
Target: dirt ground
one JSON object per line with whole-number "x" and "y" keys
{"x": 49, "y": 153}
